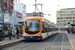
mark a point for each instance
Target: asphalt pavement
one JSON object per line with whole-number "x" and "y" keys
{"x": 55, "y": 42}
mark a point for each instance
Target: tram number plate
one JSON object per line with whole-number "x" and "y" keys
{"x": 30, "y": 36}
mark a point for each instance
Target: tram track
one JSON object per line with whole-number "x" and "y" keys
{"x": 62, "y": 42}
{"x": 52, "y": 42}
{"x": 27, "y": 44}
{"x": 22, "y": 46}
{"x": 56, "y": 40}
{"x": 60, "y": 47}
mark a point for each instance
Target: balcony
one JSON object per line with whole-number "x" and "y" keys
{"x": 5, "y": 1}
{"x": 11, "y": 9}
{"x": 4, "y": 5}
{"x": 11, "y": 2}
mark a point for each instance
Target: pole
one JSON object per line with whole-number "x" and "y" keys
{"x": 3, "y": 25}
{"x": 41, "y": 7}
{"x": 13, "y": 18}
{"x": 41, "y": 10}
{"x": 35, "y": 6}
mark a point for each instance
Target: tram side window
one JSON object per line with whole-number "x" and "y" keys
{"x": 50, "y": 29}
{"x": 46, "y": 29}
{"x": 42, "y": 27}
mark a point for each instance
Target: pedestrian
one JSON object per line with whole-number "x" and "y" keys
{"x": 68, "y": 30}
{"x": 21, "y": 32}
{"x": 13, "y": 35}
{"x": 0, "y": 34}
{"x": 17, "y": 32}
{"x": 72, "y": 30}
{"x": 10, "y": 33}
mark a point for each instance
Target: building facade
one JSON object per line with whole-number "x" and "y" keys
{"x": 17, "y": 17}
{"x": 23, "y": 8}
{"x": 1, "y": 18}
{"x": 19, "y": 7}
{"x": 4, "y": 6}
{"x": 64, "y": 16}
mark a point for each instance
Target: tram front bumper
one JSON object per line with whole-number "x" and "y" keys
{"x": 32, "y": 37}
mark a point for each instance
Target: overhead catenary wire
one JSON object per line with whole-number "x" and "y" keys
{"x": 37, "y": 9}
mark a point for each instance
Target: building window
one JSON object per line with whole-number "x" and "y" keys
{"x": 67, "y": 21}
{"x": 71, "y": 11}
{"x": 58, "y": 12}
{"x": 70, "y": 17}
{"x": 0, "y": 19}
{"x": 66, "y": 14}
{"x": 58, "y": 21}
{"x": 61, "y": 18}
{"x": 73, "y": 14}
{"x": 57, "y": 18}
{"x": 24, "y": 7}
{"x": 64, "y": 21}
{"x": 58, "y": 15}
{"x": 67, "y": 17}
{"x": 63, "y": 14}
{"x": 64, "y": 24}
{"x": 74, "y": 20}
{"x": 70, "y": 14}
{"x": 73, "y": 17}
{"x": 12, "y": 1}
{"x": 15, "y": 0}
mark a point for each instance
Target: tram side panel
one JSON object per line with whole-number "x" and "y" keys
{"x": 46, "y": 31}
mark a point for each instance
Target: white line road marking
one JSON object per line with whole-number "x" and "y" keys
{"x": 62, "y": 42}
{"x": 52, "y": 42}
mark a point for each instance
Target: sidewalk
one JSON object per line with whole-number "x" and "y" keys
{"x": 71, "y": 38}
{"x": 7, "y": 42}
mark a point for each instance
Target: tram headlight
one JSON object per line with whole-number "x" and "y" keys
{"x": 38, "y": 34}
{"x": 24, "y": 35}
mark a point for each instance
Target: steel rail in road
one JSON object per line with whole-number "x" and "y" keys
{"x": 62, "y": 43}
{"x": 28, "y": 46}
{"x": 53, "y": 41}
{"x": 22, "y": 47}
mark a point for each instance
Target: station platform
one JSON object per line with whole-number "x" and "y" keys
{"x": 7, "y": 42}
{"x": 71, "y": 38}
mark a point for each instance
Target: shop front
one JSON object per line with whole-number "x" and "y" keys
{"x": 6, "y": 27}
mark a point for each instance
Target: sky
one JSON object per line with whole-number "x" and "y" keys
{"x": 49, "y": 7}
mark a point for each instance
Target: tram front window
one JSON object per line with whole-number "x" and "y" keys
{"x": 32, "y": 26}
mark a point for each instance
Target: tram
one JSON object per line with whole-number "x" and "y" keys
{"x": 38, "y": 28}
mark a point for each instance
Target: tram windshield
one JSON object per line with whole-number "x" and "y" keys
{"x": 32, "y": 26}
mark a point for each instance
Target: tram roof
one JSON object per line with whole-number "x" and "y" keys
{"x": 51, "y": 23}
{"x": 47, "y": 21}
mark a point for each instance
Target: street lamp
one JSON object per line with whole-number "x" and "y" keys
{"x": 48, "y": 16}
